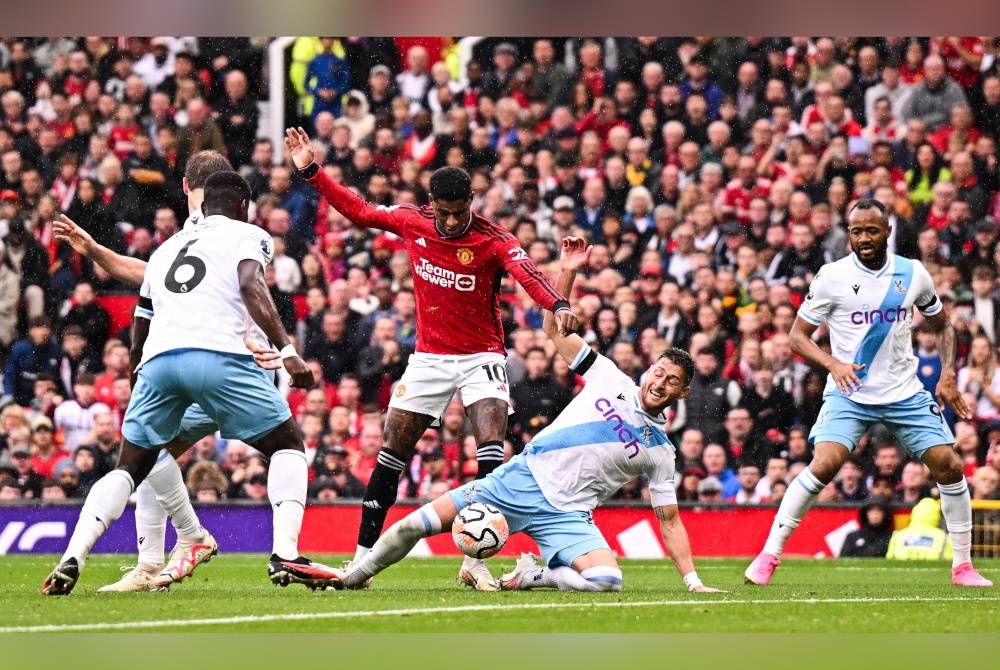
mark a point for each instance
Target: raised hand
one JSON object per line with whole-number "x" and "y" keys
{"x": 299, "y": 147}
{"x": 65, "y": 230}
{"x": 575, "y": 253}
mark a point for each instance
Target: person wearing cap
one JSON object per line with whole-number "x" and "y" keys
{"x": 44, "y": 451}
{"x": 29, "y": 481}
{"x": 710, "y": 490}
{"x": 697, "y": 81}
{"x": 495, "y": 81}
{"x": 157, "y": 64}
{"x": 691, "y": 479}
{"x": 381, "y": 89}
{"x": 984, "y": 245}
{"x": 563, "y": 217}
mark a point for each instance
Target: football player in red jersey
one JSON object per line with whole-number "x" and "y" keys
{"x": 457, "y": 258}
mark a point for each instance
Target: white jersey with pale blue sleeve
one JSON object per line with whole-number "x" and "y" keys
{"x": 600, "y": 442}
{"x": 870, "y": 316}
{"x": 192, "y": 282}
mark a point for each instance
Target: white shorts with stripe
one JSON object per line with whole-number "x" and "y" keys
{"x": 430, "y": 381}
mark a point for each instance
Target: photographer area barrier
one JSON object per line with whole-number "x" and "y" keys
{"x": 631, "y": 531}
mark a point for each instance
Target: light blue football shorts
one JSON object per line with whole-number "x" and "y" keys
{"x": 561, "y": 536}
{"x": 234, "y": 396}
{"x": 917, "y": 422}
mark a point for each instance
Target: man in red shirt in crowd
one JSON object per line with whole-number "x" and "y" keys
{"x": 740, "y": 191}
{"x": 456, "y": 257}
{"x": 116, "y": 366}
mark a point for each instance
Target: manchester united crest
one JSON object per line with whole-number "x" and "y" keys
{"x": 465, "y": 255}
{"x": 400, "y": 390}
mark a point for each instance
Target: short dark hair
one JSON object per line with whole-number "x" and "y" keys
{"x": 683, "y": 360}
{"x": 224, "y": 190}
{"x": 451, "y": 183}
{"x": 534, "y": 350}
{"x": 204, "y": 164}
{"x": 870, "y": 203}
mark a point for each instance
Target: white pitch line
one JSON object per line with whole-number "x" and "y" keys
{"x": 361, "y": 614}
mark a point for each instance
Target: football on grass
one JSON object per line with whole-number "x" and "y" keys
{"x": 480, "y": 530}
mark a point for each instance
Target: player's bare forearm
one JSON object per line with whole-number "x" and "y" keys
{"x": 945, "y": 341}
{"x": 123, "y": 268}
{"x": 675, "y": 538}
{"x": 564, "y": 285}
{"x": 947, "y": 388}
{"x": 800, "y": 339}
{"x": 259, "y": 303}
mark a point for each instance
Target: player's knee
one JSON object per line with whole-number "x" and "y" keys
{"x": 603, "y": 578}
{"x": 950, "y": 472}
{"x": 824, "y": 469}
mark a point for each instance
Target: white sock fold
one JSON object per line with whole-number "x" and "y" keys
{"x": 150, "y": 525}
{"x": 105, "y": 503}
{"x": 798, "y": 499}
{"x": 563, "y": 578}
{"x": 956, "y": 507}
{"x": 171, "y": 493}
{"x": 287, "y": 479}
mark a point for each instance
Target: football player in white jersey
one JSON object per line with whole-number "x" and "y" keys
{"x": 163, "y": 493}
{"x": 609, "y": 434}
{"x": 214, "y": 268}
{"x": 866, "y": 301}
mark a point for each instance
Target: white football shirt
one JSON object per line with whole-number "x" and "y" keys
{"x": 600, "y": 442}
{"x": 193, "y": 284}
{"x": 870, "y": 316}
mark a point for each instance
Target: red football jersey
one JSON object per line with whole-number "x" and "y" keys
{"x": 456, "y": 280}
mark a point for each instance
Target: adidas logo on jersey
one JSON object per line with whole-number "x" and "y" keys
{"x": 422, "y": 242}
{"x": 371, "y": 504}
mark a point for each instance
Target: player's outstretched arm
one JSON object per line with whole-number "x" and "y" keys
{"x": 679, "y": 547}
{"x": 844, "y": 374}
{"x": 262, "y": 310}
{"x": 123, "y": 268}
{"x": 575, "y": 254}
{"x": 947, "y": 389}
{"x": 344, "y": 200}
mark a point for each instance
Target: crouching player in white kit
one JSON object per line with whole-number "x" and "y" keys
{"x": 212, "y": 269}
{"x": 867, "y": 300}
{"x": 608, "y": 435}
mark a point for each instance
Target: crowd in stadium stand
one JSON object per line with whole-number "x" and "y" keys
{"x": 712, "y": 176}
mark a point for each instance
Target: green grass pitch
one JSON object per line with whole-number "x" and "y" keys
{"x": 232, "y": 594}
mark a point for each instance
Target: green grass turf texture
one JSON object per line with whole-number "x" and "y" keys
{"x": 423, "y": 595}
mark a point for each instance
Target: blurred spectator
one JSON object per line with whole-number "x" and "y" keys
{"x": 29, "y": 357}
{"x": 872, "y": 540}
{"x": 923, "y": 539}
